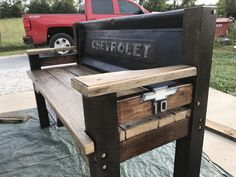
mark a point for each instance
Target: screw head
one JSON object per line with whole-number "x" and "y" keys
{"x": 199, "y": 127}
{"x": 104, "y": 167}
{"x": 198, "y": 103}
{"x": 104, "y": 155}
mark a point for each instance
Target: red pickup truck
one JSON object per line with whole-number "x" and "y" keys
{"x": 56, "y": 30}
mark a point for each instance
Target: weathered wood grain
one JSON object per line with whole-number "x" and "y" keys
{"x": 221, "y": 129}
{"x": 60, "y": 98}
{"x": 153, "y": 139}
{"x": 131, "y": 108}
{"x": 62, "y": 75}
{"x": 79, "y": 70}
{"x": 139, "y": 126}
{"x": 105, "y": 83}
{"x": 57, "y": 60}
{"x": 48, "y": 50}
{"x": 12, "y": 118}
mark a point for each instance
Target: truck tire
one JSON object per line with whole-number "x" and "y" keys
{"x": 60, "y": 40}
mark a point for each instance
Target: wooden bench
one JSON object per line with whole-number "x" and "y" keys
{"x": 130, "y": 88}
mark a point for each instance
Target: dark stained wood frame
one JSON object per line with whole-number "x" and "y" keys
{"x": 34, "y": 61}
{"x": 198, "y": 27}
{"x": 101, "y": 126}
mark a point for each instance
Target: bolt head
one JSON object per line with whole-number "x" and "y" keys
{"x": 104, "y": 155}
{"x": 104, "y": 167}
{"x": 199, "y": 127}
{"x": 198, "y": 103}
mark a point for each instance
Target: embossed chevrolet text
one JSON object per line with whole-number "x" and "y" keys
{"x": 136, "y": 49}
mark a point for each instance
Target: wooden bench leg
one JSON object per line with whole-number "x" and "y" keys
{"x": 188, "y": 156}
{"x": 59, "y": 123}
{"x": 42, "y": 110}
{"x": 102, "y": 127}
{"x": 199, "y": 28}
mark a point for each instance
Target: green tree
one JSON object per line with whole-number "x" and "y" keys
{"x": 39, "y": 6}
{"x": 187, "y": 3}
{"x": 64, "y": 6}
{"x": 17, "y": 9}
{"x": 155, "y": 5}
{"x": 11, "y": 9}
{"x": 5, "y": 9}
{"x": 231, "y": 7}
{"x": 221, "y": 8}
{"x": 226, "y": 8}
{"x": 161, "y": 5}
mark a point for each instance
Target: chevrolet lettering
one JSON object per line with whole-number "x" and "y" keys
{"x": 120, "y": 47}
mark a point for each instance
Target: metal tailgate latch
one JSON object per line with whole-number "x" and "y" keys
{"x": 160, "y": 95}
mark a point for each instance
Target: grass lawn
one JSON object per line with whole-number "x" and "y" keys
{"x": 12, "y": 31}
{"x": 13, "y": 52}
{"x": 223, "y": 73}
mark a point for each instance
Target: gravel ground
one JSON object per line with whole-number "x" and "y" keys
{"x": 13, "y": 77}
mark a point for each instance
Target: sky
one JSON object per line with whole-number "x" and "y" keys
{"x": 207, "y": 2}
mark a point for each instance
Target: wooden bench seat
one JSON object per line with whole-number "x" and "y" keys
{"x": 135, "y": 83}
{"x": 55, "y": 85}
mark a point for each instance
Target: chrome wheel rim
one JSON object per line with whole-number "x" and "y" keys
{"x": 62, "y": 43}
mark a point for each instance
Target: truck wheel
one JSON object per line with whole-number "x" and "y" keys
{"x": 61, "y": 40}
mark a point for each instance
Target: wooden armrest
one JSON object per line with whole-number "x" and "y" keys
{"x": 101, "y": 84}
{"x": 48, "y": 50}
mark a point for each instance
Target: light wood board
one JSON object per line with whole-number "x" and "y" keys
{"x": 106, "y": 83}
{"x": 48, "y": 50}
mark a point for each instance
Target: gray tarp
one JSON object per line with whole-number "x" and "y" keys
{"x": 28, "y": 151}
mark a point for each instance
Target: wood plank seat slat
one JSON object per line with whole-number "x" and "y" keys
{"x": 61, "y": 100}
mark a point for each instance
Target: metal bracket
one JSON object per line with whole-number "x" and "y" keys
{"x": 159, "y": 94}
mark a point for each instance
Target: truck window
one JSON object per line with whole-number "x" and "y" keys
{"x": 128, "y": 8}
{"x": 102, "y": 7}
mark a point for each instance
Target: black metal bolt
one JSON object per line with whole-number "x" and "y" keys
{"x": 104, "y": 155}
{"x": 199, "y": 127}
{"x": 201, "y": 120}
{"x": 198, "y": 103}
{"x": 104, "y": 167}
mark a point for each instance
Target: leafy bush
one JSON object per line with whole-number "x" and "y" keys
{"x": 232, "y": 31}
{"x": 53, "y": 6}
{"x": 11, "y": 9}
{"x": 226, "y": 8}
{"x": 63, "y": 6}
{"x": 39, "y": 6}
